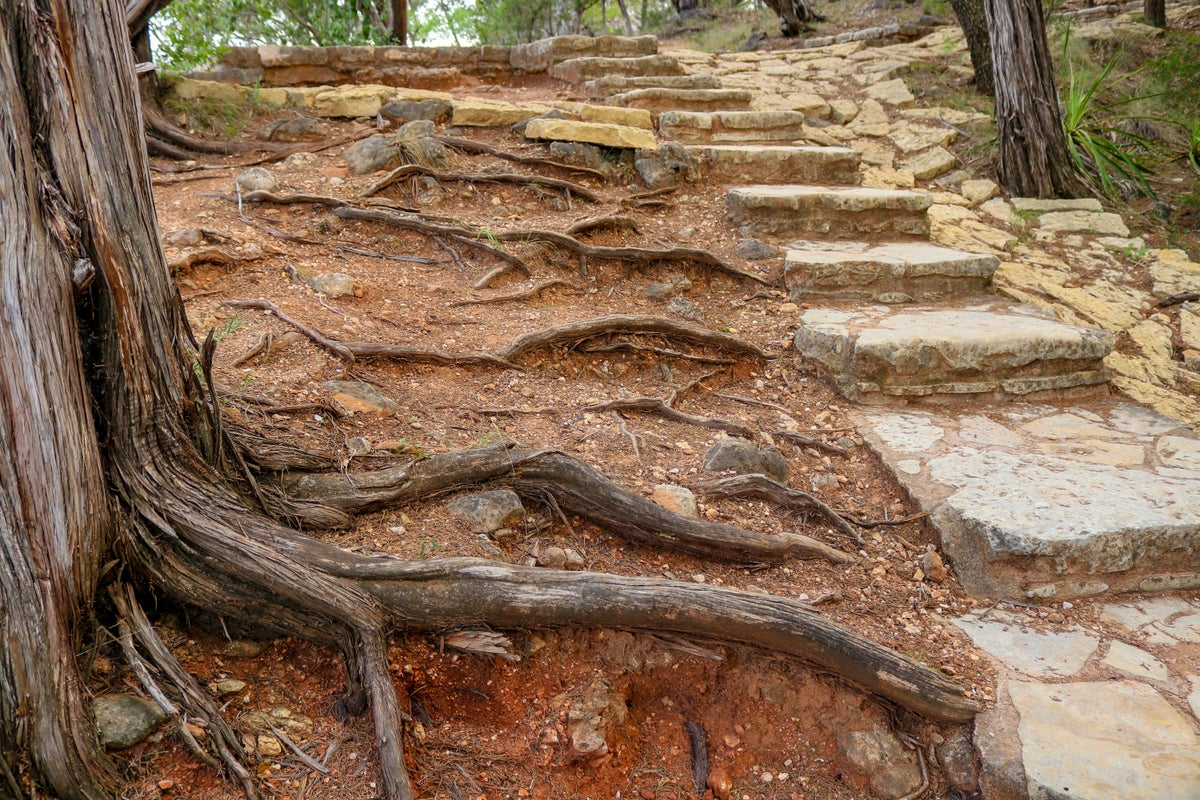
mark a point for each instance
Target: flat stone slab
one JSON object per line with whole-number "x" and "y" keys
{"x": 474, "y": 112}
{"x": 565, "y": 130}
{"x": 779, "y": 163}
{"x": 657, "y": 100}
{"x": 1038, "y": 502}
{"x": 540, "y": 55}
{"x": 1090, "y": 741}
{"x": 578, "y": 70}
{"x": 731, "y": 126}
{"x": 834, "y": 212}
{"x": 609, "y": 85}
{"x": 990, "y": 347}
{"x": 888, "y": 273}
{"x": 1038, "y": 654}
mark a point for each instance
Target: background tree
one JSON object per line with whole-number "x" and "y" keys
{"x": 116, "y": 473}
{"x": 973, "y": 20}
{"x": 1156, "y": 12}
{"x": 1033, "y": 156}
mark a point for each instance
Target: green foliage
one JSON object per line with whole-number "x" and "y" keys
{"x": 936, "y": 8}
{"x": 1193, "y": 151}
{"x": 1174, "y": 71}
{"x": 213, "y": 116}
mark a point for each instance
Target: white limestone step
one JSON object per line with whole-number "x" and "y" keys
{"x": 701, "y": 100}
{"x": 735, "y": 163}
{"x": 897, "y": 272}
{"x": 615, "y": 84}
{"x": 1037, "y": 502}
{"x": 544, "y": 53}
{"x": 831, "y": 212}
{"x": 578, "y": 70}
{"x": 717, "y": 127}
{"x": 990, "y": 347}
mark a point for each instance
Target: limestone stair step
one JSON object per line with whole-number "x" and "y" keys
{"x": 609, "y": 85}
{"x": 544, "y": 53}
{"x": 730, "y": 127}
{"x": 589, "y": 68}
{"x": 897, "y": 272}
{"x": 830, "y": 212}
{"x": 697, "y": 100}
{"x": 1039, "y": 502}
{"x": 990, "y": 348}
{"x": 738, "y": 163}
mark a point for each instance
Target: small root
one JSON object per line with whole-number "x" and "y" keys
{"x": 526, "y": 294}
{"x": 409, "y": 170}
{"x": 655, "y": 405}
{"x": 765, "y": 488}
{"x": 469, "y": 146}
{"x": 572, "y": 333}
{"x": 595, "y": 223}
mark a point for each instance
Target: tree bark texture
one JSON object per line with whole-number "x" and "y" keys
{"x": 793, "y": 15}
{"x": 1033, "y": 158}
{"x": 1156, "y": 12}
{"x": 973, "y": 20}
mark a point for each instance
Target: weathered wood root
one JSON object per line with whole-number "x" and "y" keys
{"x": 352, "y": 351}
{"x": 470, "y": 146}
{"x": 577, "y": 489}
{"x": 765, "y": 488}
{"x": 158, "y": 127}
{"x": 656, "y": 405}
{"x": 464, "y": 592}
{"x": 410, "y": 170}
{"x": 595, "y": 223}
{"x": 525, "y": 294}
{"x": 630, "y": 324}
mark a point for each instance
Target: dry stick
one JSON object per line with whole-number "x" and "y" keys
{"x": 469, "y": 146}
{"x": 574, "y": 332}
{"x": 1177, "y": 298}
{"x": 699, "y": 743}
{"x": 350, "y": 351}
{"x": 659, "y": 406}
{"x": 533, "y": 291}
{"x": 593, "y": 223}
{"x": 303, "y": 756}
{"x": 767, "y": 489}
{"x": 408, "y": 170}
{"x": 809, "y": 441}
{"x": 876, "y": 523}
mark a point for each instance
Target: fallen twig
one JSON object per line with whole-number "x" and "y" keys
{"x": 525, "y": 294}
{"x": 655, "y": 405}
{"x": 765, "y": 488}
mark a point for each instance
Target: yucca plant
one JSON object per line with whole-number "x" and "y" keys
{"x": 1110, "y": 158}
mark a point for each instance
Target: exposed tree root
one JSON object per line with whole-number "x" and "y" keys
{"x": 574, "y": 332}
{"x": 615, "y": 347}
{"x": 526, "y": 294}
{"x": 656, "y": 405}
{"x": 809, "y": 441}
{"x": 577, "y": 489}
{"x": 470, "y": 146}
{"x": 351, "y": 351}
{"x": 767, "y": 489}
{"x": 409, "y": 170}
{"x": 158, "y": 127}
{"x": 595, "y": 223}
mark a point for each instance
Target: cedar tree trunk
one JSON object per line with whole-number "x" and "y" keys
{"x": 1156, "y": 12}
{"x": 793, "y": 15}
{"x": 1033, "y": 159}
{"x": 973, "y": 20}
{"x": 113, "y": 468}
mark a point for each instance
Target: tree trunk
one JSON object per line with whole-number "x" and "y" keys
{"x": 1033, "y": 158}
{"x": 400, "y": 22}
{"x": 1156, "y": 12}
{"x": 110, "y": 447}
{"x": 621, "y": 4}
{"x": 973, "y": 20}
{"x": 794, "y": 15}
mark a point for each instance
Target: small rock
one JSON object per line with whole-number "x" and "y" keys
{"x": 434, "y": 110}
{"x": 166, "y": 785}
{"x": 300, "y": 160}
{"x": 333, "y": 284}
{"x": 297, "y": 129}
{"x": 979, "y": 191}
{"x": 489, "y": 511}
{"x": 932, "y": 566}
{"x": 417, "y": 129}
{"x": 486, "y": 545}
{"x": 358, "y": 445}
{"x": 600, "y": 709}
{"x": 244, "y": 648}
{"x": 755, "y": 250}
{"x": 227, "y": 686}
{"x": 574, "y": 560}
{"x": 269, "y": 746}
{"x": 957, "y": 757}
{"x": 374, "y": 154}
{"x": 552, "y": 558}
{"x": 670, "y": 164}
{"x": 719, "y": 783}
{"x": 744, "y": 458}
{"x": 355, "y": 396}
{"x": 123, "y": 720}
{"x": 579, "y": 154}
{"x": 663, "y": 290}
{"x": 891, "y": 770}
{"x": 682, "y": 307}
{"x": 258, "y": 179}
{"x": 188, "y": 237}
{"x": 676, "y": 498}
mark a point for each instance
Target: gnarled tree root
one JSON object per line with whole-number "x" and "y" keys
{"x": 576, "y": 488}
{"x": 765, "y": 488}
{"x": 411, "y": 170}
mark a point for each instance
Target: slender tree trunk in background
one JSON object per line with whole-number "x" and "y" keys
{"x": 1033, "y": 158}
{"x": 973, "y": 20}
{"x": 621, "y": 4}
{"x": 400, "y": 21}
{"x": 1156, "y": 12}
{"x": 793, "y": 15}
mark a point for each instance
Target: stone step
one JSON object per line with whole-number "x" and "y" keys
{"x": 899, "y": 272}
{"x": 607, "y": 134}
{"x": 578, "y": 70}
{"x": 731, "y": 126}
{"x": 991, "y": 347}
{"x": 735, "y": 163}
{"x": 1039, "y": 503}
{"x": 615, "y": 84}
{"x": 696, "y": 100}
{"x": 544, "y": 53}
{"x": 833, "y": 212}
